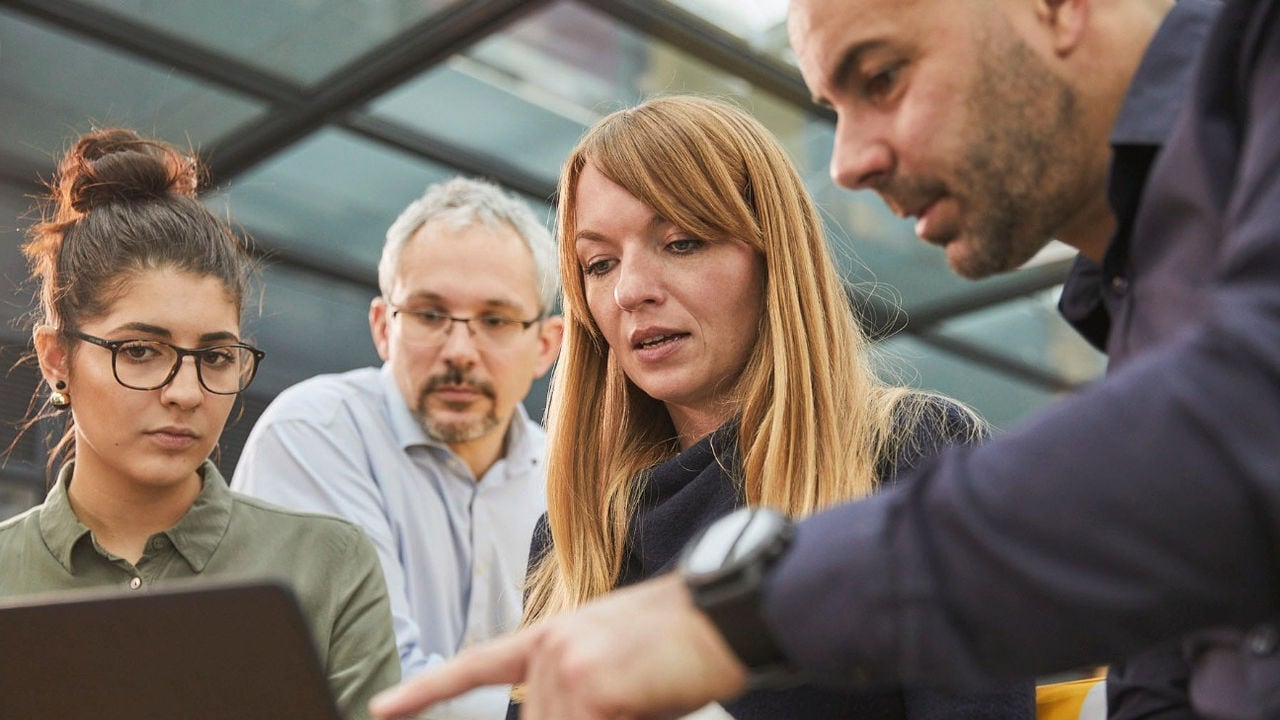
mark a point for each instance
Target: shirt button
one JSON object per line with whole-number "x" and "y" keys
{"x": 157, "y": 543}
{"x": 1119, "y": 285}
{"x": 135, "y": 583}
{"x": 1262, "y": 640}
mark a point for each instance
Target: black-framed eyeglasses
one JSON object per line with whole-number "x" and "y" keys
{"x": 429, "y": 328}
{"x": 150, "y": 364}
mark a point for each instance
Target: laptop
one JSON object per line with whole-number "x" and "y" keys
{"x": 193, "y": 652}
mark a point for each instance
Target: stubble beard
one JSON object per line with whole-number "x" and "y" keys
{"x": 455, "y": 431}
{"x": 1025, "y": 145}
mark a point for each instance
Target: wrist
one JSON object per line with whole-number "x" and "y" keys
{"x": 724, "y": 570}
{"x": 726, "y": 673}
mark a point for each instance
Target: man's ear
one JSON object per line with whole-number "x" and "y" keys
{"x": 52, "y": 354}
{"x": 1066, "y": 21}
{"x": 550, "y": 336}
{"x": 378, "y": 326}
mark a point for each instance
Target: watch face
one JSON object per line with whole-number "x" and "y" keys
{"x": 735, "y": 539}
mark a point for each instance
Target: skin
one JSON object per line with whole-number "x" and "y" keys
{"x": 677, "y": 311}
{"x": 971, "y": 87}
{"x": 464, "y": 393}
{"x": 137, "y": 451}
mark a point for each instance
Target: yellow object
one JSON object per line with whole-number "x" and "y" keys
{"x": 1073, "y": 700}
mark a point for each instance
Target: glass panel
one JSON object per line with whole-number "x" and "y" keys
{"x": 303, "y": 40}
{"x": 55, "y": 86}
{"x": 762, "y": 24}
{"x": 15, "y": 203}
{"x": 998, "y": 398}
{"x": 309, "y": 325}
{"x": 461, "y": 103}
{"x": 1031, "y": 331}
{"x": 332, "y": 197}
{"x": 16, "y": 496}
{"x": 525, "y": 95}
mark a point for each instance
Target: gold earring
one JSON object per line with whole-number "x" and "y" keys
{"x": 58, "y": 399}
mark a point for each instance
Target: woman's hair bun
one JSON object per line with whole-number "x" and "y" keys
{"x": 119, "y": 166}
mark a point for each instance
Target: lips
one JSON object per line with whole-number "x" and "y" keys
{"x": 457, "y": 392}
{"x": 659, "y": 340}
{"x": 642, "y": 338}
{"x": 172, "y": 430}
{"x": 173, "y": 438}
{"x": 652, "y": 345}
{"x": 921, "y": 200}
{"x": 938, "y": 222}
{"x": 922, "y": 225}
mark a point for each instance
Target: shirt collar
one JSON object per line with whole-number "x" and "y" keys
{"x": 522, "y": 447}
{"x": 198, "y": 533}
{"x": 1156, "y": 93}
{"x": 408, "y": 431}
{"x": 195, "y": 537}
{"x": 59, "y": 526}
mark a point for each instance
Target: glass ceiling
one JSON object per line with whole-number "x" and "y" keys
{"x": 321, "y": 119}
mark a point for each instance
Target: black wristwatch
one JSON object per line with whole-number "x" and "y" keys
{"x": 724, "y": 568}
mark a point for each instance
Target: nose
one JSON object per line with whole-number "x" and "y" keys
{"x": 459, "y": 345}
{"x": 184, "y": 389}
{"x": 860, "y": 157}
{"x": 638, "y": 282}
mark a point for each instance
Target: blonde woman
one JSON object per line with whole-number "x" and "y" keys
{"x": 712, "y": 360}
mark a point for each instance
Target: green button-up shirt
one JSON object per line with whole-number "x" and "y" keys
{"x": 329, "y": 563}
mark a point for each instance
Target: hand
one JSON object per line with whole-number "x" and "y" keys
{"x": 641, "y": 652}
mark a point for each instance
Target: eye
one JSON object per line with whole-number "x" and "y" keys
{"x": 879, "y": 85}
{"x": 494, "y": 322}
{"x": 684, "y": 246}
{"x": 430, "y": 318}
{"x": 139, "y": 351}
{"x": 218, "y": 357}
{"x": 599, "y": 267}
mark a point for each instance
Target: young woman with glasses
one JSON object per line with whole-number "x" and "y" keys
{"x": 138, "y": 337}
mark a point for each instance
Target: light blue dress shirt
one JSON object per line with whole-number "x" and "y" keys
{"x": 454, "y": 550}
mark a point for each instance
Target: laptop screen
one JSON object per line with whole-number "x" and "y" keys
{"x": 193, "y": 651}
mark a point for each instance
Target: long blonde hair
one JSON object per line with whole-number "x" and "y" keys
{"x": 814, "y": 419}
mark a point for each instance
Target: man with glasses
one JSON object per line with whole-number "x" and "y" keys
{"x": 433, "y": 454}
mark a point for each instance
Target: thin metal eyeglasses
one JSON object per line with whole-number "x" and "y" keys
{"x": 151, "y": 364}
{"x": 432, "y": 327}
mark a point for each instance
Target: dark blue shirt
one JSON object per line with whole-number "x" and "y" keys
{"x": 1154, "y": 683}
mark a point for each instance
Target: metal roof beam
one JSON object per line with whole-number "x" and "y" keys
{"x": 348, "y": 89}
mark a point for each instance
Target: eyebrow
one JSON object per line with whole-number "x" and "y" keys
{"x": 589, "y": 236}
{"x": 150, "y": 329}
{"x": 656, "y": 222}
{"x": 486, "y": 303}
{"x": 849, "y": 61}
